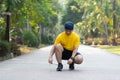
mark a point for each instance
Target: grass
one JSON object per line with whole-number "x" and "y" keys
{"x": 112, "y": 49}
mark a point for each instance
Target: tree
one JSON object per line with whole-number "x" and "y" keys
{"x": 72, "y": 13}
{"x": 9, "y": 8}
{"x": 30, "y": 14}
{"x": 98, "y": 18}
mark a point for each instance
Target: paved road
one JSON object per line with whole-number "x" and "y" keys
{"x": 98, "y": 65}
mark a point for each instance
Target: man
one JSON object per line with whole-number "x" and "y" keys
{"x": 65, "y": 47}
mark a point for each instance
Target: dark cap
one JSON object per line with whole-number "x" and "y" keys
{"x": 69, "y": 25}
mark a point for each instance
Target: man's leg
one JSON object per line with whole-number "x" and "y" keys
{"x": 58, "y": 54}
{"x": 78, "y": 59}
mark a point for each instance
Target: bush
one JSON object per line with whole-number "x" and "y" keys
{"x": 47, "y": 39}
{"x": 96, "y": 41}
{"x": 1, "y": 34}
{"x": 118, "y": 41}
{"x": 30, "y": 39}
{"x": 16, "y": 39}
{"x": 103, "y": 41}
{"x": 9, "y": 47}
{"x": 5, "y": 48}
{"x": 50, "y": 40}
{"x": 44, "y": 39}
{"x": 15, "y": 49}
{"x": 89, "y": 41}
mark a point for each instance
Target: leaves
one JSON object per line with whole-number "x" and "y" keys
{"x": 30, "y": 13}
{"x": 97, "y": 16}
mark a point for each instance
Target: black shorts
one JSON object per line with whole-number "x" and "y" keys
{"x": 66, "y": 54}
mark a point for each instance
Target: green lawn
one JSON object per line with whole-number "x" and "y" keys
{"x": 112, "y": 49}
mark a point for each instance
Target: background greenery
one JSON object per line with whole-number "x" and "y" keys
{"x": 37, "y": 22}
{"x": 97, "y": 21}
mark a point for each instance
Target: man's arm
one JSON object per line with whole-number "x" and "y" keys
{"x": 52, "y": 51}
{"x": 74, "y": 52}
{"x": 76, "y": 46}
{"x": 50, "y": 60}
{"x": 73, "y": 55}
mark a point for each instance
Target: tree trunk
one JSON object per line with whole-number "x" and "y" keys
{"x": 7, "y": 25}
{"x": 106, "y": 31}
{"x": 114, "y": 17}
{"x": 114, "y": 23}
{"x": 40, "y": 32}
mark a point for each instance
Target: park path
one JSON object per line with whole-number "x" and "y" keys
{"x": 98, "y": 65}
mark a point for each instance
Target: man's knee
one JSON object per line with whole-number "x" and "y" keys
{"x": 78, "y": 59}
{"x": 58, "y": 47}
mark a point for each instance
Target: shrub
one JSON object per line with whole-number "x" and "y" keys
{"x": 89, "y": 41}
{"x": 5, "y": 48}
{"x": 9, "y": 47}
{"x": 15, "y": 49}
{"x": 44, "y": 39}
{"x": 1, "y": 34}
{"x": 16, "y": 39}
{"x": 96, "y": 41}
{"x": 103, "y": 41}
{"x": 118, "y": 41}
{"x": 30, "y": 39}
{"x": 50, "y": 39}
{"x": 47, "y": 39}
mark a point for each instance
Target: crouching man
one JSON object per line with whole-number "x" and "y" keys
{"x": 65, "y": 48}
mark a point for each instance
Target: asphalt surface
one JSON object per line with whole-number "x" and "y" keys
{"x": 98, "y": 65}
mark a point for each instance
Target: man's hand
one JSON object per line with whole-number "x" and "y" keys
{"x": 70, "y": 61}
{"x": 50, "y": 60}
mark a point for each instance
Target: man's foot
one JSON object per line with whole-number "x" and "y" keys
{"x": 71, "y": 66}
{"x": 60, "y": 67}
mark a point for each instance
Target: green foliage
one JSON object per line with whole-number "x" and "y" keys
{"x": 96, "y": 18}
{"x": 9, "y": 47}
{"x": 1, "y": 33}
{"x": 2, "y": 29}
{"x": 50, "y": 39}
{"x": 30, "y": 13}
{"x": 72, "y": 14}
{"x": 5, "y": 48}
{"x": 44, "y": 39}
{"x": 30, "y": 39}
{"x": 47, "y": 39}
{"x": 15, "y": 49}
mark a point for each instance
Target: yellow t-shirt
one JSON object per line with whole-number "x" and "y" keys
{"x": 68, "y": 41}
